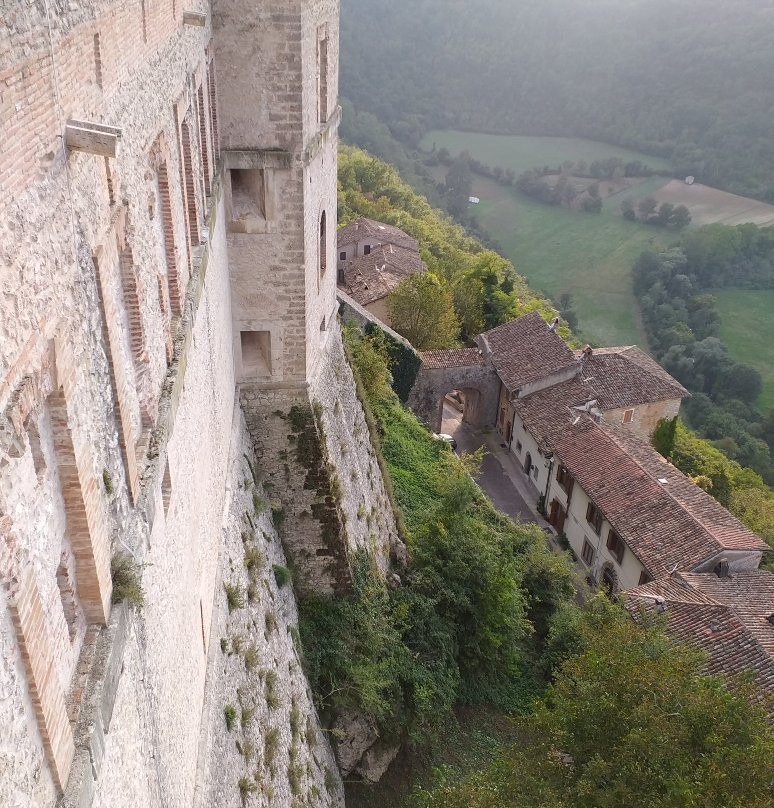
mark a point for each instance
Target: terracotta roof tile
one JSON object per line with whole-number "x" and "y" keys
{"x": 626, "y": 377}
{"x": 667, "y": 521}
{"x": 372, "y": 277}
{"x": 548, "y": 413}
{"x": 724, "y": 617}
{"x": 526, "y": 350}
{"x": 381, "y": 233}
{"x": 454, "y": 358}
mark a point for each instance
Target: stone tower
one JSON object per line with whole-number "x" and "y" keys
{"x": 277, "y": 67}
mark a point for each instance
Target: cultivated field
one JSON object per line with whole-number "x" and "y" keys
{"x": 710, "y": 205}
{"x": 589, "y": 255}
{"x": 747, "y": 326}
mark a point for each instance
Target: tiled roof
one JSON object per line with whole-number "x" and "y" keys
{"x": 526, "y": 350}
{"x": 627, "y": 377}
{"x": 372, "y": 277}
{"x": 454, "y": 358}
{"x": 548, "y": 413}
{"x": 667, "y": 521}
{"x": 725, "y": 617}
{"x": 364, "y": 229}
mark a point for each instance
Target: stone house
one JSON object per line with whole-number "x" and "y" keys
{"x": 631, "y": 517}
{"x": 361, "y": 236}
{"x": 727, "y": 615}
{"x": 373, "y": 258}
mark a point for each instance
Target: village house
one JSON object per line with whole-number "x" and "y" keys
{"x": 580, "y": 423}
{"x": 373, "y": 258}
{"x": 728, "y": 615}
{"x": 631, "y": 517}
{"x": 545, "y": 386}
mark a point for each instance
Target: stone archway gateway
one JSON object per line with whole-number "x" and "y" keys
{"x": 463, "y": 370}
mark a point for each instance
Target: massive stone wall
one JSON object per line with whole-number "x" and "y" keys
{"x": 125, "y": 282}
{"x": 273, "y": 751}
{"x": 322, "y": 473}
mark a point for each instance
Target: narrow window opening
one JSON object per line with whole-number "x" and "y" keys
{"x": 322, "y": 74}
{"x": 256, "y": 353}
{"x": 97, "y": 61}
{"x": 205, "y": 154}
{"x": 213, "y": 110}
{"x": 190, "y": 185}
{"x": 367, "y": 249}
{"x": 110, "y": 188}
{"x": 144, "y": 21}
{"x": 38, "y": 458}
{"x": 167, "y": 233}
{"x": 166, "y": 488}
{"x": 323, "y": 326}
{"x": 67, "y": 596}
{"x": 323, "y": 243}
{"x": 342, "y": 256}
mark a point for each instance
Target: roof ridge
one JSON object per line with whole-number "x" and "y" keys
{"x": 621, "y": 445}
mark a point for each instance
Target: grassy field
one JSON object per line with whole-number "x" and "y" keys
{"x": 562, "y": 250}
{"x": 524, "y": 153}
{"x": 747, "y": 323}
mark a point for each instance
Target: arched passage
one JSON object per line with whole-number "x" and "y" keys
{"x": 463, "y": 371}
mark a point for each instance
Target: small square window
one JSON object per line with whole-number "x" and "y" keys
{"x": 342, "y": 256}
{"x": 588, "y": 553}
{"x": 367, "y": 249}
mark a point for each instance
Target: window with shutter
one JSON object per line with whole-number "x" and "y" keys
{"x": 594, "y": 517}
{"x": 616, "y": 546}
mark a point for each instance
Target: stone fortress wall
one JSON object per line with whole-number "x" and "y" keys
{"x": 167, "y": 238}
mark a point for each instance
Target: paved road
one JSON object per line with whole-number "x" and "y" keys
{"x": 494, "y": 480}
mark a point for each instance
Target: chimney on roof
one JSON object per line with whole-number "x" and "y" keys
{"x": 554, "y": 325}
{"x": 587, "y": 353}
{"x": 722, "y": 569}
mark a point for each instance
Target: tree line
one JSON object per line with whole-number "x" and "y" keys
{"x": 687, "y": 81}
{"x": 682, "y": 324}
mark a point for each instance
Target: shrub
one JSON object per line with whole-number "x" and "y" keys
{"x": 234, "y": 597}
{"x": 127, "y": 583}
{"x": 248, "y": 713}
{"x": 272, "y": 697}
{"x": 271, "y": 742}
{"x": 281, "y": 575}
{"x": 251, "y": 658}
{"x": 254, "y": 561}
{"x": 107, "y": 482}
{"x": 229, "y": 713}
{"x": 246, "y": 787}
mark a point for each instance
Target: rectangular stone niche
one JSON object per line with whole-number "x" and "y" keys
{"x": 256, "y": 354}
{"x": 248, "y": 200}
